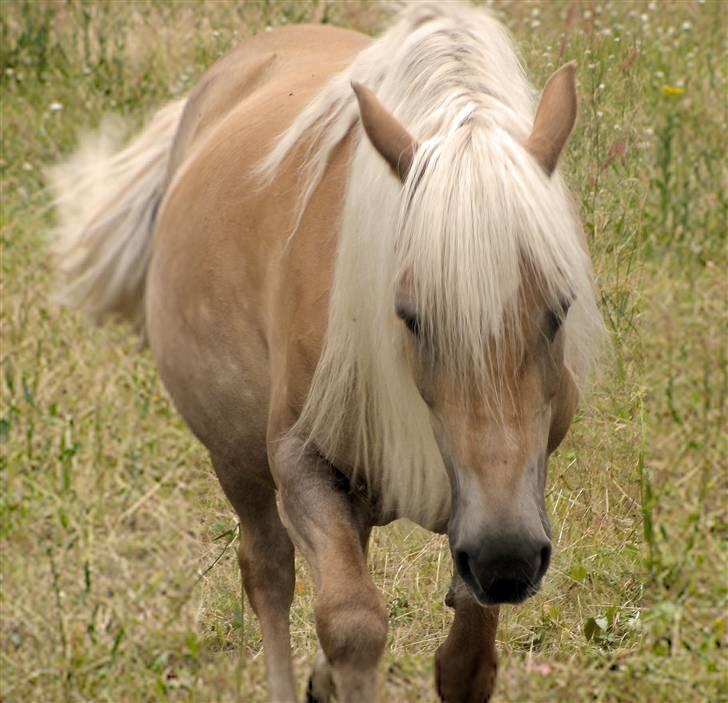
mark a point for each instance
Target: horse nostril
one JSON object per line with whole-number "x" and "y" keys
{"x": 467, "y": 567}
{"x": 545, "y": 555}
{"x": 462, "y": 562}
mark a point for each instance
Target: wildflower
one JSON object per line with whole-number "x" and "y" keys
{"x": 55, "y": 107}
{"x": 669, "y": 91}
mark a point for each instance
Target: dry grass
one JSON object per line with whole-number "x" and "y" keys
{"x": 117, "y": 582}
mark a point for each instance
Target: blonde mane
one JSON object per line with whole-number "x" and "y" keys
{"x": 475, "y": 206}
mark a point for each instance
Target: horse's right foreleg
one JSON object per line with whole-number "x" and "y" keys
{"x": 320, "y": 683}
{"x": 329, "y": 530}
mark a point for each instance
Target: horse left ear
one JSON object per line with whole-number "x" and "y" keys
{"x": 555, "y": 118}
{"x": 386, "y": 134}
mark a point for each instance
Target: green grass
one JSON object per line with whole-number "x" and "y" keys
{"x": 117, "y": 581}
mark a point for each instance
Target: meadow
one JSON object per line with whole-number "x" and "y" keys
{"x": 118, "y": 575}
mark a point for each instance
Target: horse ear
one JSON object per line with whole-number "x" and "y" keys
{"x": 555, "y": 117}
{"x": 386, "y": 134}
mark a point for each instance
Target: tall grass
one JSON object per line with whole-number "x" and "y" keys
{"x": 119, "y": 581}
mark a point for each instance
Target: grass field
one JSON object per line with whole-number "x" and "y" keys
{"x": 118, "y": 578}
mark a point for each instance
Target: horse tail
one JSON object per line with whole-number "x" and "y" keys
{"x": 107, "y": 199}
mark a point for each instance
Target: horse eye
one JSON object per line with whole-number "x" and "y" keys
{"x": 554, "y": 320}
{"x": 411, "y": 321}
{"x": 553, "y": 324}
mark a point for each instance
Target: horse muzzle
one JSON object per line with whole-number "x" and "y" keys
{"x": 502, "y": 570}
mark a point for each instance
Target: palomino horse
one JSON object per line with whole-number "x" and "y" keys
{"x": 359, "y": 305}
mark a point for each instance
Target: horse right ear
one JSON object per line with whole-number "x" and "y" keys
{"x": 386, "y": 134}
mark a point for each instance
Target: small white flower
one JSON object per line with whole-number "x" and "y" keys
{"x": 686, "y": 26}
{"x": 535, "y": 12}
{"x": 268, "y": 28}
{"x": 601, "y": 86}
{"x": 600, "y": 114}
{"x": 535, "y": 24}
{"x": 27, "y": 167}
{"x": 55, "y": 107}
{"x": 644, "y": 18}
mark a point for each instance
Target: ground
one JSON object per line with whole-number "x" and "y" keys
{"x": 118, "y": 575}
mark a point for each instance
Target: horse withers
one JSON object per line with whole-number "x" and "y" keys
{"x": 367, "y": 292}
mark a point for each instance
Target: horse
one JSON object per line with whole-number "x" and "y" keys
{"x": 368, "y": 293}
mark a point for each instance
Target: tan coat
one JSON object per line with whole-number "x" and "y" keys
{"x": 223, "y": 329}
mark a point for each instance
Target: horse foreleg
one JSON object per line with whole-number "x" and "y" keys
{"x": 466, "y": 662}
{"x": 328, "y": 528}
{"x": 320, "y": 683}
{"x": 266, "y": 559}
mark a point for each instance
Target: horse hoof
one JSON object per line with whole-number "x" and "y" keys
{"x": 320, "y": 684}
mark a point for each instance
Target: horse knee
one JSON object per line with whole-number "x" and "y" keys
{"x": 352, "y": 630}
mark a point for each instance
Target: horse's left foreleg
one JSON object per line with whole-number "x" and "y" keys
{"x": 466, "y": 662}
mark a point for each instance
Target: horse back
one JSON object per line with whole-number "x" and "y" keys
{"x": 236, "y": 309}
